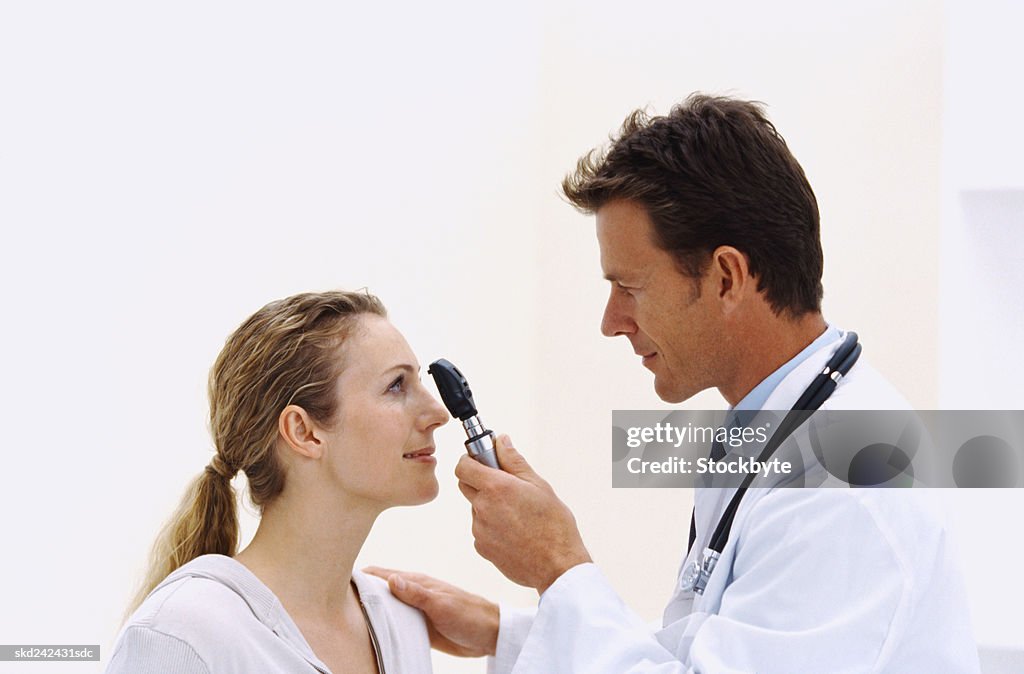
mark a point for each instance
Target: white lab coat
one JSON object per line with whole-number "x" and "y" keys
{"x": 811, "y": 580}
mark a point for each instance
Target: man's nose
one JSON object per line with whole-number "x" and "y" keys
{"x": 616, "y": 320}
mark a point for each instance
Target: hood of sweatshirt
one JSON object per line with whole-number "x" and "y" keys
{"x": 261, "y": 600}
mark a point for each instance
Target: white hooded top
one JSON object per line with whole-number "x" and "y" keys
{"x": 213, "y": 616}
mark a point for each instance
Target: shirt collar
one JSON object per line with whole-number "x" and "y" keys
{"x": 758, "y": 396}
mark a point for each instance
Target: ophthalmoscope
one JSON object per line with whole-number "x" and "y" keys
{"x": 458, "y": 398}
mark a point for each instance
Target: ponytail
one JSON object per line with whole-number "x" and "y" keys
{"x": 206, "y": 522}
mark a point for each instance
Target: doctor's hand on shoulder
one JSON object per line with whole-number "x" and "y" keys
{"x": 519, "y": 524}
{"x": 459, "y": 622}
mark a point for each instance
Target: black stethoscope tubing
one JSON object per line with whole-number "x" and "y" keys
{"x": 817, "y": 393}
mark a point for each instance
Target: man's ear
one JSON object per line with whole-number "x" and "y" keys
{"x": 299, "y": 432}
{"x": 732, "y": 275}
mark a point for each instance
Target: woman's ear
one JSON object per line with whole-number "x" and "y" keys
{"x": 299, "y": 432}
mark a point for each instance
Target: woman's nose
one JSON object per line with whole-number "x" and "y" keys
{"x": 436, "y": 414}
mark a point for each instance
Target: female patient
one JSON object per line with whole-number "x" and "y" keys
{"x": 316, "y": 398}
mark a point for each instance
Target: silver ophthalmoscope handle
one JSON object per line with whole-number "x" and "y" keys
{"x": 480, "y": 445}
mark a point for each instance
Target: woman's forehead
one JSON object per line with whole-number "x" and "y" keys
{"x": 375, "y": 346}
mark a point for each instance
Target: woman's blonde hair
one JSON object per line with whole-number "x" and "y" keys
{"x": 284, "y": 354}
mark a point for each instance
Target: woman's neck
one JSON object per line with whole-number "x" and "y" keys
{"x": 304, "y": 551}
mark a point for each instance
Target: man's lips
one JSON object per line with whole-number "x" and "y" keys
{"x": 647, "y": 357}
{"x": 426, "y": 451}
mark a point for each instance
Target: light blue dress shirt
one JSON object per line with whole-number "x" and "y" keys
{"x": 758, "y": 396}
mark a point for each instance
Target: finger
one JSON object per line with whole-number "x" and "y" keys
{"x": 469, "y": 492}
{"x": 418, "y": 578}
{"x": 472, "y": 472}
{"x": 380, "y": 571}
{"x": 512, "y": 461}
{"x": 410, "y": 592}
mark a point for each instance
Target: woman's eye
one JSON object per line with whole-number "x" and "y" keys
{"x": 398, "y": 385}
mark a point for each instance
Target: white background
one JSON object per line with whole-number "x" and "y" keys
{"x": 167, "y": 169}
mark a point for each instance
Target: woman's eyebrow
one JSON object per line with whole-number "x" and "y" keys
{"x": 403, "y": 366}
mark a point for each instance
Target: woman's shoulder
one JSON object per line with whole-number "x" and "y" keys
{"x": 400, "y": 628}
{"x": 195, "y": 611}
{"x": 374, "y": 592}
{"x": 177, "y": 626}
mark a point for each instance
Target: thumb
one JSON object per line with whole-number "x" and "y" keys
{"x": 510, "y": 460}
{"x": 407, "y": 591}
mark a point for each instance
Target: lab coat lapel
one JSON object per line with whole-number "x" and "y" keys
{"x": 709, "y": 502}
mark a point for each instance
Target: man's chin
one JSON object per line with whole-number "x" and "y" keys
{"x": 672, "y": 392}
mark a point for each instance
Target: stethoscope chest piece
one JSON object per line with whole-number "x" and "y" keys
{"x": 690, "y": 575}
{"x": 695, "y": 575}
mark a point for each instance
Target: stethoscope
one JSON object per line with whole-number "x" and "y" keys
{"x": 695, "y": 576}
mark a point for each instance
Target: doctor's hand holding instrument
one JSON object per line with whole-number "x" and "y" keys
{"x": 519, "y": 523}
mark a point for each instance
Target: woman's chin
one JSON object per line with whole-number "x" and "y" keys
{"x": 424, "y": 492}
{"x": 431, "y": 493}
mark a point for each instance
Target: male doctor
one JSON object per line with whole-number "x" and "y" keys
{"x": 708, "y": 231}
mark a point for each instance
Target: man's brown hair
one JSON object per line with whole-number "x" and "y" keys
{"x": 714, "y": 172}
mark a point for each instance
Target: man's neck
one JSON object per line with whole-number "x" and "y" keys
{"x": 765, "y": 347}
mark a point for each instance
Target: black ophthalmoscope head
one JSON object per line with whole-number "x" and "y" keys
{"x": 458, "y": 398}
{"x": 454, "y": 389}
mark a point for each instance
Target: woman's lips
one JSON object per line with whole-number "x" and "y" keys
{"x": 425, "y": 455}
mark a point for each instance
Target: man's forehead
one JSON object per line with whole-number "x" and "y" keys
{"x": 618, "y": 275}
{"x": 626, "y": 269}
{"x": 625, "y": 246}
{"x": 618, "y": 263}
